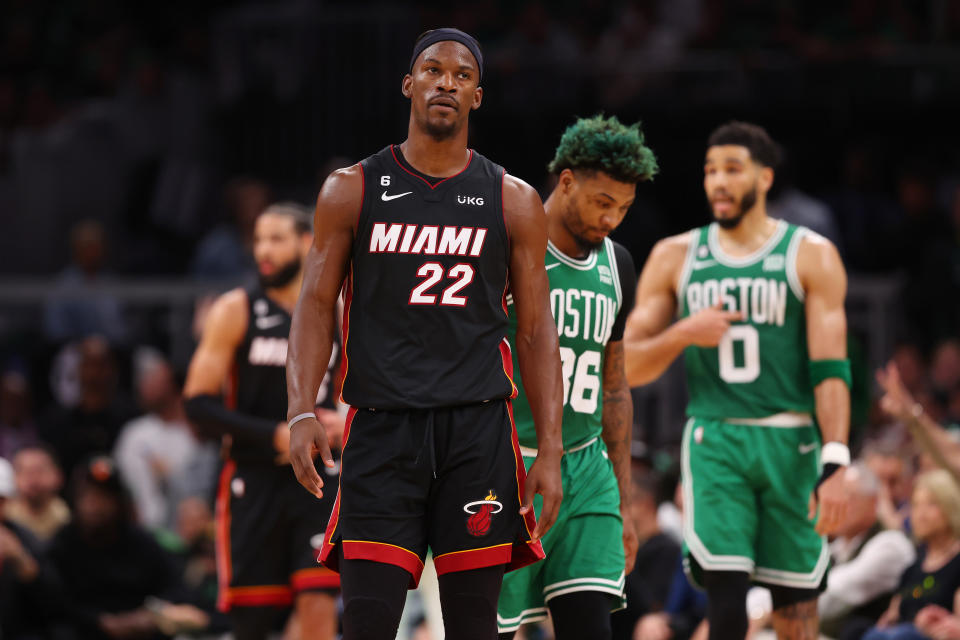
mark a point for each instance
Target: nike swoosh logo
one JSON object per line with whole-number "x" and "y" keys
{"x": 387, "y": 198}
{"x": 269, "y": 322}
{"x": 703, "y": 264}
{"x": 548, "y": 267}
{"x": 806, "y": 448}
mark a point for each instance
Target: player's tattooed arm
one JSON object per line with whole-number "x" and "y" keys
{"x": 314, "y": 320}
{"x": 536, "y": 342}
{"x": 824, "y": 281}
{"x": 651, "y": 343}
{"x": 617, "y": 420}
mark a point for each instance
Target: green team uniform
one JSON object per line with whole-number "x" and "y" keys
{"x": 751, "y": 448}
{"x": 584, "y": 547}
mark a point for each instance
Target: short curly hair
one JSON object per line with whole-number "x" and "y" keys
{"x": 607, "y": 145}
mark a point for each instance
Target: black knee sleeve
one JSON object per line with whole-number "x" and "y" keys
{"x": 727, "y": 603}
{"x": 469, "y": 602}
{"x": 786, "y": 596}
{"x": 373, "y": 598}
{"x": 582, "y": 614}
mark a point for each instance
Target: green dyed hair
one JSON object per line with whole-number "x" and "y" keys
{"x": 607, "y": 145}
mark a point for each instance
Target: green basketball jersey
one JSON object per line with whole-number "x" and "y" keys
{"x": 760, "y": 367}
{"x": 585, "y": 297}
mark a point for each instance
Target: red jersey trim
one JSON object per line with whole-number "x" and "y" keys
{"x": 222, "y": 536}
{"x": 363, "y": 195}
{"x": 525, "y": 551}
{"x": 386, "y": 553}
{"x": 473, "y": 558}
{"x": 345, "y": 330}
{"x": 259, "y": 596}
{"x": 319, "y": 578}
{"x": 421, "y": 178}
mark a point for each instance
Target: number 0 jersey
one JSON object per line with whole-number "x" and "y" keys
{"x": 425, "y": 318}
{"x": 760, "y": 368}
{"x": 590, "y": 300}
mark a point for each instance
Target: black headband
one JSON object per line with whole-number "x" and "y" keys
{"x": 447, "y": 33}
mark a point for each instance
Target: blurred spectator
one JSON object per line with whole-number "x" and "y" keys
{"x": 91, "y": 426}
{"x": 17, "y": 428}
{"x": 109, "y": 566}
{"x": 75, "y": 308}
{"x": 867, "y": 562}
{"x": 38, "y": 506}
{"x": 891, "y": 465}
{"x": 26, "y": 587}
{"x": 649, "y": 582}
{"x": 160, "y": 460}
{"x": 682, "y": 616}
{"x": 934, "y": 579}
{"x": 945, "y": 370}
{"x": 227, "y": 251}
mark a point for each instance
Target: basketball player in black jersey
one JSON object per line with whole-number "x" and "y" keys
{"x": 425, "y": 238}
{"x": 267, "y": 526}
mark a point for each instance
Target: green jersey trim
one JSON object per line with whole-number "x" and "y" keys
{"x": 793, "y": 250}
{"x": 785, "y": 420}
{"x": 583, "y": 265}
{"x": 713, "y": 240}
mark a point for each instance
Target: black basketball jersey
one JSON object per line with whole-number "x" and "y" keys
{"x": 425, "y": 318}
{"x": 259, "y": 385}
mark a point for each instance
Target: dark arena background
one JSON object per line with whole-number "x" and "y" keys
{"x": 138, "y": 140}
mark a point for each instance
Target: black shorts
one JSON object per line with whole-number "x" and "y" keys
{"x": 269, "y": 530}
{"x": 450, "y": 479}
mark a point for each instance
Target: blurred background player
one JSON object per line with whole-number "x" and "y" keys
{"x": 598, "y": 164}
{"x": 433, "y": 458}
{"x": 763, "y": 328}
{"x": 268, "y": 527}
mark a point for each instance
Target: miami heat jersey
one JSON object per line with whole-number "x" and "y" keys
{"x": 425, "y": 319}
{"x": 259, "y": 376}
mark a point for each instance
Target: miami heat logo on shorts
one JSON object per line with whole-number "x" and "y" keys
{"x": 478, "y": 524}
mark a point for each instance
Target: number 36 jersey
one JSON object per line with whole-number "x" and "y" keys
{"x": 760, "y": 368}
{"x": 425, "y": 318}
{"x": 590, "y": 299}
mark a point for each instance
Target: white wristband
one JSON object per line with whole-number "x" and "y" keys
{"x": 835, "y": 453}
{"x": 299, "y": 417}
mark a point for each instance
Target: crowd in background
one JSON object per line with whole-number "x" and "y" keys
{"x": 137, "y": 143}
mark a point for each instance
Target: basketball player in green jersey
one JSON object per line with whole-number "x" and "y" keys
{"x": 598, "y": 164}
{"x": 762, "y": 325}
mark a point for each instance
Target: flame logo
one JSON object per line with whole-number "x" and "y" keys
{"x": 478, "y": 524}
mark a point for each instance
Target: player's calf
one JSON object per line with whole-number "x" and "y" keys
{"x": 795, "y": 613}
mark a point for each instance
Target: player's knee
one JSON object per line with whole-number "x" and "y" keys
{"x": 787, "y": 596}
{"x": 471, "y": 616}
{"x": 369, "y": 619}
{"x": 726, "y": 603}
{"x": 582, "y": 614}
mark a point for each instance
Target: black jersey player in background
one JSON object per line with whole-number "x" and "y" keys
{"x": 425, "y": 238}
{"x": 267, "y": 525}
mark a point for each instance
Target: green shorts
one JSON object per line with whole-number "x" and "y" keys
{"x": 584, "y": 547}
{"x": 746, "y": 490}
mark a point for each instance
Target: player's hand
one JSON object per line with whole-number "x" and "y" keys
{"x": 630, "y": 541}
{"x": 832, "y": 497}
{"x": 896, "y": 400}
{"x": 705, "y": 328}
{"x": 307, "y": 439}
{"x": 544, "y": 478}
{"x": 653, "y": 626}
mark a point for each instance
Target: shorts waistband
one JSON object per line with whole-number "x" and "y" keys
{"x": 529, "y": 452}
{"x": 787, "y": 420}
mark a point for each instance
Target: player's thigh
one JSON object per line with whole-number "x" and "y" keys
{"x": 384, "y": 486}
{"x": 474, "y": 518}
{"x": 789, "y": 550}
{"x": 720, "y": 510}
{"x": 251, "y": 560}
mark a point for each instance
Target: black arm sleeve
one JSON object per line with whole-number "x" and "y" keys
{"x": 213, "y": 419}
{"x": 628, "y": 288}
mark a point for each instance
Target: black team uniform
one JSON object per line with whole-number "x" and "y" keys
{"x": 431, "y": 456}
{"x": 268, "y": 528}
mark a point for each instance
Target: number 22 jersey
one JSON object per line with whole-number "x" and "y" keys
{"x": 425, "y": 317}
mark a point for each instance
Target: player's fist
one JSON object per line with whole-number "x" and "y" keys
{"x": 307, "y": 439}
{"x": 705, "y": 328}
